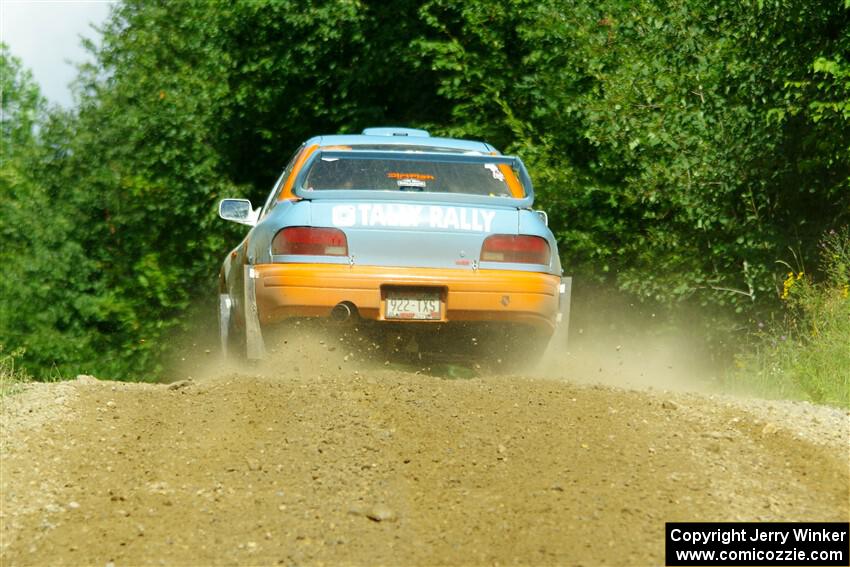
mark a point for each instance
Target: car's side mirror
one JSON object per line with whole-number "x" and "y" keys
{"x": 238, "y": 210}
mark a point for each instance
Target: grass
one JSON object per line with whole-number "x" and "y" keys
{"x": 12, "y": 376}
{"x": 805, "y": 353}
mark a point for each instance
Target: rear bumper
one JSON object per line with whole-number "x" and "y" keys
{"x": 312, "y": 290}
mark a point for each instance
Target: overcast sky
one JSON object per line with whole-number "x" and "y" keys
{"x": 45, "y": 35}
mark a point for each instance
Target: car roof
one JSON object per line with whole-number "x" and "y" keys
{"x": 404, "y": 139}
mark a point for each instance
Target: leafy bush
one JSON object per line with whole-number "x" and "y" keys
{"x": 807, "y": 352}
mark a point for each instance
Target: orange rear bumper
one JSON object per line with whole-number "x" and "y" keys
{"x": 312, "y": 290}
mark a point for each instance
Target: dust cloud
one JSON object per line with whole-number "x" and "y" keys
{"x": 607, "y": 356}
{"x": 606, "y": 346}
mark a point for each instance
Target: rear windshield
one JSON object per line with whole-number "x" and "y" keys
{"x": 489, "y": 179}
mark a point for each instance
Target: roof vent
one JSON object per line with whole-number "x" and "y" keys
{"x": 396, "y": 132}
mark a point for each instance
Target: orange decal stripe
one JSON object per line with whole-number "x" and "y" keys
{"x": 513, "y": 183}
{"x": 287, "y": 192}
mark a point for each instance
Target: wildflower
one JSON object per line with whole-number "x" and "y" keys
{"x": 789, "y": 282}
{"x": 787, "y": 285}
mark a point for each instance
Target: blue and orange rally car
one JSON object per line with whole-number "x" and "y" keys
{"x": 416, "y": 233}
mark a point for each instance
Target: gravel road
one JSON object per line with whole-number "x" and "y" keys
{"x": 335, "y": 462}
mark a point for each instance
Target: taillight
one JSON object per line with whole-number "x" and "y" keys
{"x": 517, "y": 249}
{"x": 308, "y": 241}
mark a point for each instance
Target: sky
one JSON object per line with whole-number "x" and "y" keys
{"x": 45, "y": 35}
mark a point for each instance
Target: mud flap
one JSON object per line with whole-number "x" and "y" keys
{"x": 224, "y": 305}
{"x": 562, "y": 330}
{"x": 255, "y": 348}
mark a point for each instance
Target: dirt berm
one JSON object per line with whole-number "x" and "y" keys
{"x": 385, "y": 466}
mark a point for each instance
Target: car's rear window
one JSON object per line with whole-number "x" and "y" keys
{"x": 387, "y": 174}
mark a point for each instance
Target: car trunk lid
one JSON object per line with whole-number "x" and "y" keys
{"x": 428, "y": 234}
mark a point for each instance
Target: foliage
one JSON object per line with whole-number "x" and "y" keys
{"x": 805, "y": 354}
{"x": 20, "y": 104}
{"x": 679, "y": 147}
{"x": 11, "y": 373}
{"x": 655, "y": 131}
{"x": 45, "y": 272}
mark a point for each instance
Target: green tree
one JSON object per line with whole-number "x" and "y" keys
{"x": 652, "y": 131}
{"x": 45, "y": 272}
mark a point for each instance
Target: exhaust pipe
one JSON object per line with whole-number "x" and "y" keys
{"x": 342, "y": 312}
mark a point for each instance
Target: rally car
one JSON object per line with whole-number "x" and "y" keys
{"x": 412, "y": 232}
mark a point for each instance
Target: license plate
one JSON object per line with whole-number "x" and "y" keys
{"x": 417, "y": 305}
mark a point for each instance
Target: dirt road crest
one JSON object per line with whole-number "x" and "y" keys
{"x": 261, "y": 470}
